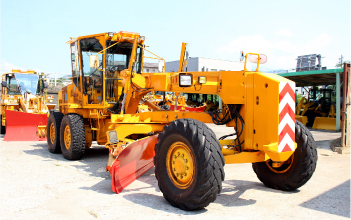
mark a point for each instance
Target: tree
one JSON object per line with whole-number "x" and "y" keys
{"x": 299, "y": 97}
{"x": 340, "y": 65}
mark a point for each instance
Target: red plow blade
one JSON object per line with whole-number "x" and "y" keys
{"x": 133, "y": 162}
{"x": 22, "y": 126}
{"x": 191, "y": 109}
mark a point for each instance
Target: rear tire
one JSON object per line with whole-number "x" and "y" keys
{"x": 206, "y": 172}
{"x": 53, "y": 132}
{"x": 72, "y": 137}
{"x": 2, "y": 128}
{"x": 296, "y": 174}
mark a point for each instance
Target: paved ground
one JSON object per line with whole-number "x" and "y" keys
{"x": 35, "y": 184}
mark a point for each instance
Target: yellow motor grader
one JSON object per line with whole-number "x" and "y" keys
{"x": 102, "y": 103}
{"x": 24, "y": 105}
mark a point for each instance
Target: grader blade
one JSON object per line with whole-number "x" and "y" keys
{"x": 191, "y": 109}
{"x": 135, "y": 160}
{"x": 22, "y": 126}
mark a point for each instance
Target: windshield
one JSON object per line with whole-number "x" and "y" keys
{"x": 119, "y": 54}
{"x": 28, "y": 82}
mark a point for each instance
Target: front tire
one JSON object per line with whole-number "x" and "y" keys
{"x": 72, "y": 137}
{"x": 53, "y": 132}
{"x": 189, "y": 164}
{"x": 296, "y": 171}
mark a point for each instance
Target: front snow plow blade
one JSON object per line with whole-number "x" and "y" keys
{"x": 135, "y": 160}
{"x": 22, "y": 126}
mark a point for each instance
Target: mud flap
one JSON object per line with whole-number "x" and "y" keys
{"x": 135, "y": 160}
{"x": 22, "y": 126}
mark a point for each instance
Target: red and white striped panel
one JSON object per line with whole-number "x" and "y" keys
{"x": 286, "y": 116}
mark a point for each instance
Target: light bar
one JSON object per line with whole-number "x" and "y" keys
{"x": 185, "y": 80}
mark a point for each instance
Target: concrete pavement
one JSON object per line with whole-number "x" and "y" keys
{"x": 35, "y": 184}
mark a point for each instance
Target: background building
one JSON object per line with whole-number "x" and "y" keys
{"x": 206, "y": 64}
{"x": 151, "y": 68}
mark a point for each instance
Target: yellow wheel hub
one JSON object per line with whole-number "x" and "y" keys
{"x": 280, "y": 167}
{"x": 180, "y": 165}
{"x": 67, "y": 137}
{"x": 52, "y": 133}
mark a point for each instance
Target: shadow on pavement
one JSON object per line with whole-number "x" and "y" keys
{"x": 93, "y": 162}
{"x": 159, "y": 203}
{"x": 339, "y": 197}
{"x": 229, "y": 196}
{"x": 104, "y": 187}
{"x": 233, "y": 189}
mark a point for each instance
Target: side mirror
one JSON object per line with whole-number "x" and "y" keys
{"x": 4, "y": 84}
{"x": 92, "y": 61}
{"x": 45, "y": 85}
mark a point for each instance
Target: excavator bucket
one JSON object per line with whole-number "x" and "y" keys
{"x": 325, "y": 123}
{"x": 22, "y": 126}
{"x": 133, "y": 161}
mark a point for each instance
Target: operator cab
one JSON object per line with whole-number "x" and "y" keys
{"x": 100, "y": 59}
{"x": 18, "y": 83}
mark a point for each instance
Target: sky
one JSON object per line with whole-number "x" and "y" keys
{"x": 33, "y": 34}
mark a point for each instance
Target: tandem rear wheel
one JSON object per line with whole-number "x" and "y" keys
{"x": 297, "y": 170}
{"x": 72, "y": 137}
{"x": 66, "y": 135}
{"x": 189, "y": 164}
{"x": 53, "y": 132}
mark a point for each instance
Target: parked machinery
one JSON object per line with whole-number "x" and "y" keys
{"x": 317, "y": 111}
{"x": 24, "y": 105}
{"x": 324, "y": 113}
{"x": 102, "y": 103}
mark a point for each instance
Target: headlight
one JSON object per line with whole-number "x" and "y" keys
{"x": 110, "y": 34}
{"x": 202, "y": 79}
{"x": 185, "y": 80}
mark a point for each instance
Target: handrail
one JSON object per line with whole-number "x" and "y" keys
{"x": 258, "y": 61}
{"x": 158, "y": 58}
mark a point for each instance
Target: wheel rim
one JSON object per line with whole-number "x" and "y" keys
{"x": 52, "y": 133}
{"x": 180, "y": 165}
{"x": 283, "y": 167}
{"x": 67, "y": 137}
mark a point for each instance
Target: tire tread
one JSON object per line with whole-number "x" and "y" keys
{"x": 211, "y": 164}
